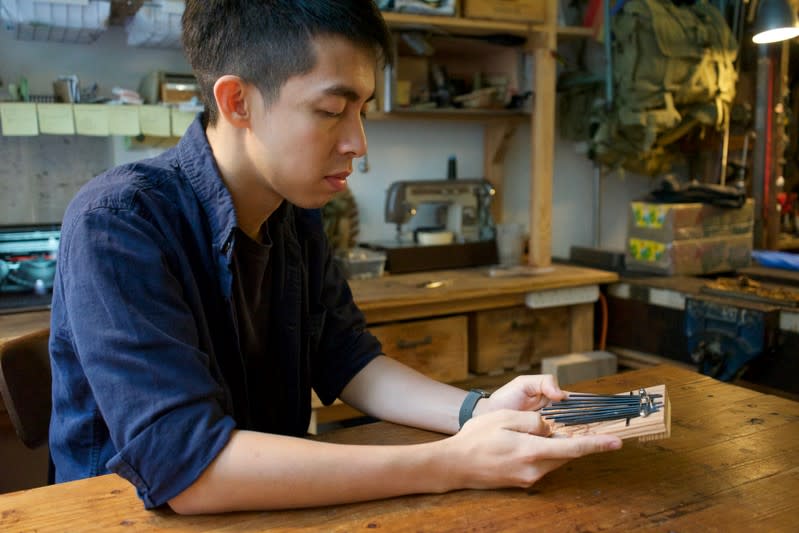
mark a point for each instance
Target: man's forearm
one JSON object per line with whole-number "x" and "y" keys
{"x": 394, "y": 392}
{"x": 263, "y": 471}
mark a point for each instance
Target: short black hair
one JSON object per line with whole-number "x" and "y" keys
{"x": 266, "y": 42}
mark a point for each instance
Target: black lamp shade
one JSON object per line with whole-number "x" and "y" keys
{"x": 775, "y": 21}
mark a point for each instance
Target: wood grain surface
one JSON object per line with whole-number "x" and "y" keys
{"x": 730, "y": 465}
{"x": 472, "y": 289}
{"x": 18, "y": 324}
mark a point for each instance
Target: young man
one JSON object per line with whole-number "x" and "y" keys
{"x": 196, "y": 303}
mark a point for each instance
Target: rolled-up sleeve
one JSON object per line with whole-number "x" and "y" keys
{"x": 137, "y": 342}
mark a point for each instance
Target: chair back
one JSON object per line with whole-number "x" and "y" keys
{"x": 25, "y": 384}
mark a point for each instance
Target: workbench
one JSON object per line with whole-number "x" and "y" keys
{"x": 647, "y": 325}
{"x": 729, "y": 465}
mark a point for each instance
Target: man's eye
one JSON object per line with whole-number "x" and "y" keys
{"x": 330, "y": 114}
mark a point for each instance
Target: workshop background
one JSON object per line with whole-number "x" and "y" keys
{"x": 675, "y": 166}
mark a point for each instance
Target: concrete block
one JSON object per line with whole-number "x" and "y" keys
{"x": 574, "y": 367}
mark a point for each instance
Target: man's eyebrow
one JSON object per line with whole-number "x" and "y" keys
{"x": 346, "y": 92}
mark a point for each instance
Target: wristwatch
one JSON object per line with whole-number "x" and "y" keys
{"x": 467, "y": 407}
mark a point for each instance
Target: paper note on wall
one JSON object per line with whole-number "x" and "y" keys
{"x": 19, "y": 119}
{"x": 56, "y": 119}
{"x": 91, "y": 119}
{"x": 123, "y": 120}
{"x": 181, "y": 120}
{"x": 154, "y": 120}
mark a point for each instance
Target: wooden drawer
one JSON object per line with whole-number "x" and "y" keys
{"x": 436, "y": 348}
{"x": 517, "y": 337}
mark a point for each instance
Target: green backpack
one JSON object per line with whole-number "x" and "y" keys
{"x": 673, "y": 70}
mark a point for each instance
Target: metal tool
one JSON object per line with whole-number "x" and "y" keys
{"x": 590, "y": 408}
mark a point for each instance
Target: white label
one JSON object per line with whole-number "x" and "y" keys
{"x": 789, "y": 321}
{"x": 664, "y": 298}
{"x": 619, "y": 290}
{"x": 560, "y": 297}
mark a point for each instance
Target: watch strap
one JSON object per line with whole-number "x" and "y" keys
{"x": 468, "y": 405}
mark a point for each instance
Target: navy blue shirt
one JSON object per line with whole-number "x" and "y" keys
{"x": 148, "y": 376}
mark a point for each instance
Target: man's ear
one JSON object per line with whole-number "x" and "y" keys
{"x": 230, "y": 93}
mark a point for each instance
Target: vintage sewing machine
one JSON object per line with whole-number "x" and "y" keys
{"x": 460, "y": 234}
{"x": 464, "y": 206}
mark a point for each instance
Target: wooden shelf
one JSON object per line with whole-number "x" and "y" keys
{"x": 162, "y": 121}
{"x": 458, "y": 25}
{"x": 464, "y": 26}
{"x": 466, "y": 115}
{"x": 575, "y": 32}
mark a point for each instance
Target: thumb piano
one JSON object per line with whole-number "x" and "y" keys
{"x": 645, "y": 413}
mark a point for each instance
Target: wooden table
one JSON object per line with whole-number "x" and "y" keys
{"x": 731, "y": 464}
{"x": 406, "y": 296}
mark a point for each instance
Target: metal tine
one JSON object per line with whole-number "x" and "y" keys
{"x": 582, "y": 414}
{"x": 569, "y": 407}
{"x": 592, "y": 419}
{"x": 584, "y": 408}
{"x": 589, "y": 395}
{"x": 596, "y": 419}
{"x": 592, "y": 412}
{"x": 577, "y": 400}
{"x": 601, "y": 399}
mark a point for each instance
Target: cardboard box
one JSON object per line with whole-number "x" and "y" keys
{"x": 511, "y": 10}
{"x": 689, "y": 256}
{"x": 670, "y": 222}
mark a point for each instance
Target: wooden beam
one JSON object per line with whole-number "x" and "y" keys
{"x": 543, "y": 142}
{"x": 496, "y": 136}
{"x": 582, "y": 328}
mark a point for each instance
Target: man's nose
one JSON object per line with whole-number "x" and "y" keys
{"x": 353, "y": 141}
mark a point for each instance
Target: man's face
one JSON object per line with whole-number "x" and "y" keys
{"x": 302, "y": 144}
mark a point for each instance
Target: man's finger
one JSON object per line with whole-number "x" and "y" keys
{"x": 543, "y": 387}
{"x": 527, "y": 422}
{"x": 573, "y": 447}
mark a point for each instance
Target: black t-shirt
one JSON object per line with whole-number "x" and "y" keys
{"x": 252, "y": 287}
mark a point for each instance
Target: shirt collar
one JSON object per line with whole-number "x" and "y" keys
{"x": 199, "y": 166}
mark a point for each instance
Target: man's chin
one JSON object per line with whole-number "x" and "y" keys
{"x": 313, "y": 203}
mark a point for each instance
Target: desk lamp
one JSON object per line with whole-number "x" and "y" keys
{"x": 775, "y": 21}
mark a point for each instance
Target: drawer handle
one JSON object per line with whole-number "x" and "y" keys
{"x": 515, "y": 326}
{"x": 407, "y": 345}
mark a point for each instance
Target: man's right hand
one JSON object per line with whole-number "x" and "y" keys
{"x": 510, "y": 448}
